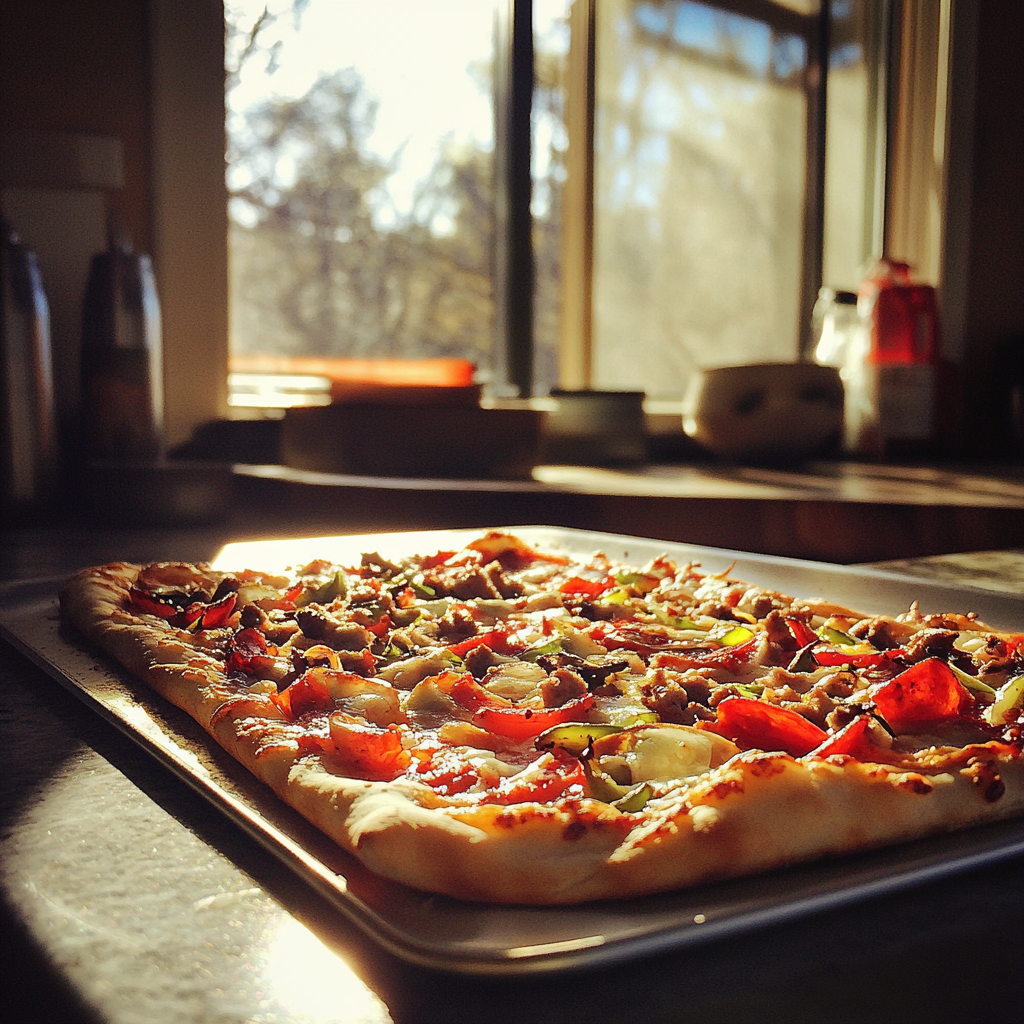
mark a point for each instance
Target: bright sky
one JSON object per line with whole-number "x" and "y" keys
{"x": 395, "y": 45}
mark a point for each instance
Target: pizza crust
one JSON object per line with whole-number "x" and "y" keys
{"x": 724, "y": 826}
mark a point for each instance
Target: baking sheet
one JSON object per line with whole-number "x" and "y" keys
{"x": 473, "y": 938}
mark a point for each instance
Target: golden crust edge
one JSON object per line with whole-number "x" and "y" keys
{"x": 93, "y": 602}
{"x": 723, "y": 826}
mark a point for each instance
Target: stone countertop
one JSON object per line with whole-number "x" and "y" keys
{"x": 126, "y": 898}
{"x": 840, "y": 512}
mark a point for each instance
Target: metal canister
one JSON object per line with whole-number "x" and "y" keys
{"x": 122, "y": 358}
{"x": 28, "y": 419}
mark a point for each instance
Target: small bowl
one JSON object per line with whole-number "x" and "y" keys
{"x": 596, "y": 428}
{"x": 765, "y": 411}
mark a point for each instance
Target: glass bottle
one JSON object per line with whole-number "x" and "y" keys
{"x": 843, "y": 339}
{"x": 28, "y": 423}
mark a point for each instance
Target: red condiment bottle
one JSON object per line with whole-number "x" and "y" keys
{"x": 904, "y": 379}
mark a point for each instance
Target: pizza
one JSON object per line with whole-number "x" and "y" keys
{"x": 505, "y": 724}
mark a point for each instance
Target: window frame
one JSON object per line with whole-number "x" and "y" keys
{"x": 188, "y": 142}
{"x": 189, "y": 194}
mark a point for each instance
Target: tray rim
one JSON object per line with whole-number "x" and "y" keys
{"x": 993, "y": 842}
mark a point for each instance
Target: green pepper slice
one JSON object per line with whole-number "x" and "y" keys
{"x": 636, "y": 799}
{"x": 837, "y": 636}
{"x": 970, "y": 682}
{"x": 737, "y": 635}
{"x": 574, "y": 737}
{"x": 336, "y": 586}
{"x": 542, "y": 647}
{"x": 601, "y": 785}
{"x": 675, "y": 621}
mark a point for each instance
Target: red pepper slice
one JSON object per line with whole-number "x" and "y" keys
{"x": 308, "y": 693}
{"x": 853, "y": 740}
{"x": 730, "y": 658}
{"x": 248, "y": 652}
{"x": 381, "y": 626}
{"x": 496, "y": 640}
{"x": 208, "y": 616}
{"x": 752, "y": 723}
{"x": 189, "y": 618}
{"x": 447, "y": 772}
{"x": 313, "y": 736}
{"x": 218, "y": 614}
{"x": 927, "y": 692}
{"x": 439, "y": 558}
{"x": 512, "y": 552}
{"x": 523, "y": 723}
{"x": 555, "y": 778}
{"x": 149, "y": 604}
{"x": 587, "y": 588}
{"x": 249, "y": 642}
{"x": 368, "y": 750}
{"x": 802, "y": 633}
{"x": 835, "y": 656}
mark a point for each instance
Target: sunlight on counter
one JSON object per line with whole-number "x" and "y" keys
{"x": 309, "y": 980}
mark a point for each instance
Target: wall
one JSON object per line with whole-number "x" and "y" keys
{"x": 115, "y": 107}
{"x": 82, "y": 68}
{"x": 74, "y": 117}
{"x": 994, "y": 329}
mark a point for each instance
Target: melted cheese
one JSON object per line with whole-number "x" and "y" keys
{"x": 660, "y": 755}
{"x": 515, "y": 680}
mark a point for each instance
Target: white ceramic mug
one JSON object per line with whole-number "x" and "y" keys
{"x": 765, "y": 411}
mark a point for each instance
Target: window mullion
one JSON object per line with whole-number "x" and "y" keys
{"x": 514, "y": 265}
{"x": 814, "y": 175}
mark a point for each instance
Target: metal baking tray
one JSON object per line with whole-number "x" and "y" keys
{"x": 487, "y": 939}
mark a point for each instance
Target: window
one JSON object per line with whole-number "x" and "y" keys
{"x": 683, "y": 212}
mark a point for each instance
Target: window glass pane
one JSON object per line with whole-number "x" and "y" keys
{"x": 855, "y": 141}
{"x": 550, "y": 143}
{"x": 700, "y": 151}
{"x": 360, "y": 170}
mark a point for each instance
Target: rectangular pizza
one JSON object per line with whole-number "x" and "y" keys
{"x": 510, "y": 724}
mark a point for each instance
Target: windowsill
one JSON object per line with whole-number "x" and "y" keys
{"x": 824, "y": 511}
{"x": 870, "y": 483}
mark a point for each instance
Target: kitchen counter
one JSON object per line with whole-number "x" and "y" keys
{"x": 127, "y": 898}
{"x": 829, "y": 511}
